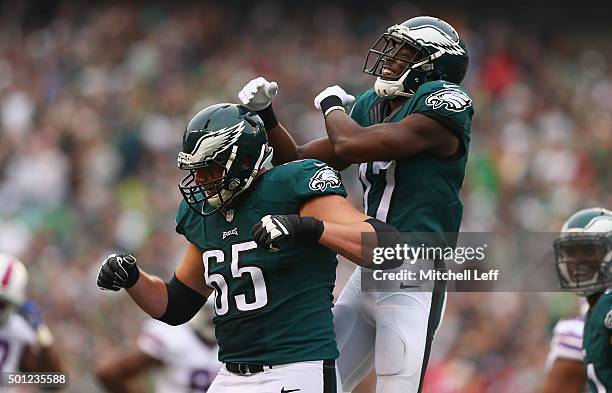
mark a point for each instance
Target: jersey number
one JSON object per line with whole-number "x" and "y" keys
{"x": 218, "y": 282}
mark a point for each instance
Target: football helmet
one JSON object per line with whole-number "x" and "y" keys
{"x": 13, "y": 281}
{"x": 583, "y": 252}
{"x": 226, "y": 139}
{"x": 439, "y": 54}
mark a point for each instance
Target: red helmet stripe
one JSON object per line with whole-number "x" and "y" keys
{"x": 7, "y": 274}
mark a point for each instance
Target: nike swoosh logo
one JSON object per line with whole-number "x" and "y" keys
{"x": 406, "y": 286}
{"x": 289, "y": 391}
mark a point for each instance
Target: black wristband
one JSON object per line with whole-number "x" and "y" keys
{"x": 268, "y": 117}
{"x": 329, "y": 102}
{"x": 387, "y": 236}
{"x": 311, "y": 229}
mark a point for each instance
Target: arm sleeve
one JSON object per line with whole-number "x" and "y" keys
{"x": 183, "y": 303}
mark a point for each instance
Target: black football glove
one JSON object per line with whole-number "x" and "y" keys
{"x": 272, "y": 231}
{"x": 118, "y": 271}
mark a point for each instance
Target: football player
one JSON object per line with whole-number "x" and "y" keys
{"x": 26, "y": 343}
{"x": 583, "y": 256}
{"x": 273, "y": 303}
{"x": 565, "y": 369}
{"x": 183, "y": 357}
{"x": 410, "y": 135}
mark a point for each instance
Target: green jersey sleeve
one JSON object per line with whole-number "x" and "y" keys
{"x": 299, "y": 180}
{"x": 187, "y": 221}
{"x": 447, "y": 103}
{"x": 316, "y": 178}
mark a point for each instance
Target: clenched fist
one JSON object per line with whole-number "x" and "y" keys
{"x": 258, "y": 93}
{"x": 118, "y": 271}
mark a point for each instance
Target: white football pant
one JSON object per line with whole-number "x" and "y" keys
{"x": 302, "y": 377}
{"x": 390, "y": 331}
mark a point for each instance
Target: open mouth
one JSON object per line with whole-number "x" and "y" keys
{"x": 388, "y": 73}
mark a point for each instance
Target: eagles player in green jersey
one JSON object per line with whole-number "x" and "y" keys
{"x": 273, "y": 303}
{"x": 583, "y": 255}
{"x": 410, "y": 135}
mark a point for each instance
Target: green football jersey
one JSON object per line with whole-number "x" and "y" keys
{"x": 271, "y": 307}
{"x": 418, "y": 193}
{"x": 597, "y": 345}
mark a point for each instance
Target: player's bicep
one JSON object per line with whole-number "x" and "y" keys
{"x": 332, "y": 208}
{"x": 191, "y": 271}
{"x": 393, "y": 141}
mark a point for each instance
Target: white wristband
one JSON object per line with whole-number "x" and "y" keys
{"x": 334, "y": 108}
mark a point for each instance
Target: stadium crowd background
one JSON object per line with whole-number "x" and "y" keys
{"x": 94, "y": 98}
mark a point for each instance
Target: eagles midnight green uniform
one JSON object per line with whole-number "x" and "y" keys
{"x": 418, "y": 193}
{"x": 272, "y": 307}
{"x": 597, "y": 345}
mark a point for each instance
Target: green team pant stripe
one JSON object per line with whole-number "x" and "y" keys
{"x": 433, "y": 322}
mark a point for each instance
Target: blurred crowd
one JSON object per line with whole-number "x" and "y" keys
{"x": 93, "y": 102}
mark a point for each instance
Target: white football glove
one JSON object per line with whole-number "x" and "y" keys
{"x": 335, "y": 90}
{"x": 258, "y": 94}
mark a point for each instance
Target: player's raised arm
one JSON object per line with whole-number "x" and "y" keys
{"x": 174, "y": 302}
{"x": 416, "y": 133}
{"x": 257, "y": 95}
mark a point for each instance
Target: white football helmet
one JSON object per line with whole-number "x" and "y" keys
{"x": 13, "y": 281}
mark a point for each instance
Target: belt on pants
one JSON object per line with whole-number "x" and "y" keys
{"x": 245, "y": 368}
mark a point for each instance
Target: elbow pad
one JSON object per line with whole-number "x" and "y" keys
{"x": 388, "y": 237}
{"x": 183, "y": 303}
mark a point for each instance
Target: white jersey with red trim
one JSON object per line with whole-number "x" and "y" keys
{"x": 15, "y": 335}
{"x": 567, "y": 341}
{"x": 190, "y": 365}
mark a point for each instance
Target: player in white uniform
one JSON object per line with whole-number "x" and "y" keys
{"x": 26, "y": 344}
{"x": 183, "y": 357}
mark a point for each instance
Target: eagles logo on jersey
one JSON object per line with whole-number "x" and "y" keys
{"x": 323, "y": 178}
{"x": 452, "y": 99}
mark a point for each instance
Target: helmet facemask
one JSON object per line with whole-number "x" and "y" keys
{"x": 228, "y": 175}
{"x": 584, "y": 262}
{"x": 211, "y": 194}
{"x": 416, "y": 70}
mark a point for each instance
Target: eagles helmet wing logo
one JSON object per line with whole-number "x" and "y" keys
{"x": 432, "y": 36}
{"x": 453, "y": 99}
{"x": 323, "y": 178}
{"x": 211, "y": 144}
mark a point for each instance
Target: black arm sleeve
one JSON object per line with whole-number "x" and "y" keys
{"x": 388, "y": 237}
{"x": 183, "y": 303}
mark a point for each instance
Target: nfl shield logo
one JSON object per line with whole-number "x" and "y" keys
{"x": 229, "y": 215}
